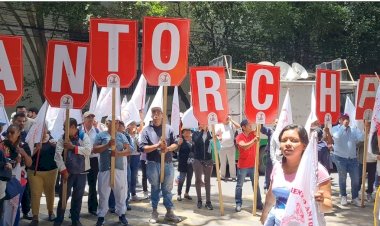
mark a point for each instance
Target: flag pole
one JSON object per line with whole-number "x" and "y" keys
{"x": 375, "y": 207}
{"x": 256, "y": 170}
{"x": 163, "y": 137}
{"x": 221, "y": 205}
{"x": 113, "y": 135}
{"x": 67, "y": 139}
{"x": 366, "y": 132}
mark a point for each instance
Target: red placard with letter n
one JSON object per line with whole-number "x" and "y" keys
{"x": 262, "y": 93}
{"x": 209, "y": 94}
{"x": 67, "y": 77}
{"x": 166, "y": 49}
{"x": 366, "y": 97}
{"x": 328, "y": 96}
{"x": 11, "y": 70}
{"x": 113, "y": 52}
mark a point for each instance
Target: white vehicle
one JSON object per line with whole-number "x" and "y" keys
{"x": 300, "y": 97}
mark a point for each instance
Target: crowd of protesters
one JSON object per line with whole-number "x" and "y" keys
{"x": 25, "y": 174}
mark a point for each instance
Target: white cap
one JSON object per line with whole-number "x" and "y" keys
{"x": 129, "y": 122}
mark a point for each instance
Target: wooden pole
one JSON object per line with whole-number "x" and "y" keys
{"x": 364, "y": 161}
{"x": 216, "y": 156}
{"x": 67, "y": 139}
{"x": 256, "y": 172}
{"x": 163, "y": 135}
{"x": 113, "y": 135}
{"x": 375, "y": 207}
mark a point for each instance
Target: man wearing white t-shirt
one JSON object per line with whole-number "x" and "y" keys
{"x": 226, "y": 135}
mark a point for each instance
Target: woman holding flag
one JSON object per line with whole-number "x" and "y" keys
{"x": 293, "y": 142}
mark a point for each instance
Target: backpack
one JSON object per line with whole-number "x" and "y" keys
{"x": 374, "y": 145}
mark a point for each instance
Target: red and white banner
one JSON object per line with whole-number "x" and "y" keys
{"x": 365, "y": 100}
{"x": 328, "y": 96}
{"x": 67, "y": 77}
{"x": 113, "y": 52}
{"x": 209, "y": 94}
{"x": 262, "y": 93}
{"x": 166, "y": 49}
{"x": 11, "y": 70}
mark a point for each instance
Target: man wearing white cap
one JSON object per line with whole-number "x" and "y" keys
{"x": 102, "y": 145}
{"x": 92, "y": 176}
{"x": 152, "y": 144}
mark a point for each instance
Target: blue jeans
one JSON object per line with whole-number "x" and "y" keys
{"x": 77, "y": 183}
{"x": 134, "y": 165}
{"x": 350, "y": 166}
{"x": 153, "y": 172}
{"x": 242, "y": 173}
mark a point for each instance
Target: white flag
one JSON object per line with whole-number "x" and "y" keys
{"x": 312, "y": 116}
{"x": 350, "y": 110}
{"x": 35, "y": 132}
{"x": 301, "y": 207}
{"x": 188, "y": 120}
{"x": 139, "y": 94}
{"x": 94, "y": 99}
{"x": 375, "y": 119}
{"x": 104, "y": 104}
{"x": 286, "y": 118}
{"x": 175, "y": 118}
{"x": 129, "y": 111}
{"x": 157, "y": 102}
{"x": 4, "y": 118}
{"x": 56, "y": 117}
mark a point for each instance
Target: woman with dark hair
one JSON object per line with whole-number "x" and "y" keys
{"x": 42, "y": 176}
{"x": 293, "y": 142}
{"x": 185, "y": 167}
{"x": 203, "y": 163}
{"x": 18, "y": 154}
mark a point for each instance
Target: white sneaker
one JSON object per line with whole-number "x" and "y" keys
{"x": 369, "y": 198}
{"x": 356, "y": 202}
{"x": 343, "y": 200}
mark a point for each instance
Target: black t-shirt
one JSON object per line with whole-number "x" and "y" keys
{"x": 46, "y": 158}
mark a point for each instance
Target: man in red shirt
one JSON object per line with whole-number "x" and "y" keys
{"x": 246, "y": 142}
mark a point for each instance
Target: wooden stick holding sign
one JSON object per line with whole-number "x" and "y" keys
{"x": 256, "y": 171}
{"x": 67, "y": 139}
{"x": 113, "y": 135}
{"x": 366, "y": 132}
{"x": 216, "y": 156}
{"x": 163, "y": 135}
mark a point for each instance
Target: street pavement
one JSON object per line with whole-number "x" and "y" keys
{"x": 140, "y": 213}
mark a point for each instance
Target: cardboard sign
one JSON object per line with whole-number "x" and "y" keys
{"x": 113, "y": 52}
{"x": 67, "y": 77}
{"x": 11, "y": 70}
{"x": 166, "y": 47}
{"x": 262, "y": 93}
{"x": 365, "y": 100}
{"x": 209, "y": 94}
{"x": 328, "y": 96}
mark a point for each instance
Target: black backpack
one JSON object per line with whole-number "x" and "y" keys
{"x": 374, "y": 145}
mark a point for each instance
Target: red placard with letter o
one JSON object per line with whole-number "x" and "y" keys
{"x": 166, "y": 47}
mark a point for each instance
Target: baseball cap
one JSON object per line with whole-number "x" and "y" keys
{"x": 244, "y": 122}
{"x": 156, "y": 108}
{"x": 345, "y": 116}
{"x": 87, "y": 113}
{"x": 130, "y": 122}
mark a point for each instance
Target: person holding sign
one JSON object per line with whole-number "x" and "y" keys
{"x": 102, "y": 145}
{"x": 247, "y": 142}
{"x": 293, "y": 142}
{"x": 203, "y": 163}
{"x": 73, "y": 170}
{"x": 345, "y": 140}
{"x": 151, "y": 144}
